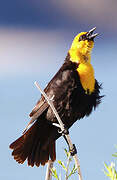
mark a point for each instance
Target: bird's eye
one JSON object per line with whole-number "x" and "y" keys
{"x": 82, "y": 38}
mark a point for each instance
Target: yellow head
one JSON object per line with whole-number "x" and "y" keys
{"x": 82, "y": 46}
{"x": 80, "y": 52}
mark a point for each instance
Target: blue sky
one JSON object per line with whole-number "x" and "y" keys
{"x": 34, "y": 49}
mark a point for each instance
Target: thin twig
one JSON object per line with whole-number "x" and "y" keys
{"x": 51, "y": 105}
{"x": 77, "y": 163}
{"x": 68, "y": 162}
{"x": 48, "y": 170}
{"x": 50, "y": 102}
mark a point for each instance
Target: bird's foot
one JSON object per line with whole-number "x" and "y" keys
{"x": 56, "y": 124}
{"x": 64, "y": 131}
{"x": 73, "y": 150}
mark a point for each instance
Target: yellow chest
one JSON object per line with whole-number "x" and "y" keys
{"x": 87, "y": 78}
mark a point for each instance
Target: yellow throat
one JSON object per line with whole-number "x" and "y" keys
{"x": 80, "y": 52}
{"x": 87, "y": 79}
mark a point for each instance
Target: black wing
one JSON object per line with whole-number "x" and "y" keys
{"x": 58, "y": 88}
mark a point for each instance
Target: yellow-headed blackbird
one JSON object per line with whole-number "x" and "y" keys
{"x": 76, "y": 93}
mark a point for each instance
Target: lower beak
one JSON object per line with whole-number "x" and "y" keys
{"x": 90, "y": 35}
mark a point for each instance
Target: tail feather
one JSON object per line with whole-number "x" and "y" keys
{"x": 37, "y": 155}
{"x": 44, "y": 157}
{"x": 16, "y": 143}
{"x": 36, "y": 145}
{"x": 52, "y": 151}
{"x": 31, "y": 157}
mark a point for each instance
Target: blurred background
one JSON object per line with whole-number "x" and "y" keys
{"x": 35, "y": 36}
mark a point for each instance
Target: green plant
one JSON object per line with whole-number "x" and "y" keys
{"x": 115, "y": 155}
{"x": 66, "y": 167}
{"x": 110, "y": 170}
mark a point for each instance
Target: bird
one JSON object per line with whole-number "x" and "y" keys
{"x": 75, "y": 92}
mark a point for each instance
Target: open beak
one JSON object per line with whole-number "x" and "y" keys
{"x": 90, "y": 35}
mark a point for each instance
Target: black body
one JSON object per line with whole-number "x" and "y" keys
{"x": 71, "y": 102}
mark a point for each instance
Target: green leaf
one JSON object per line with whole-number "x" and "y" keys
{"x": 67, "y": 153}
{"x": 54, "y": 173}
{"x": 110, "y": 171}
{"x": 73, "y": 171}
{"x": 62, "y": 164}
{"x": 114, "y": 155}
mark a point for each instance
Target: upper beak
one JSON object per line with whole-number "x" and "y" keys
{"x": 90, "y": 35}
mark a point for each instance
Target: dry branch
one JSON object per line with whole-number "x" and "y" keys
{"x": 67, "y": 137}
{"x": 48, "y": 171}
